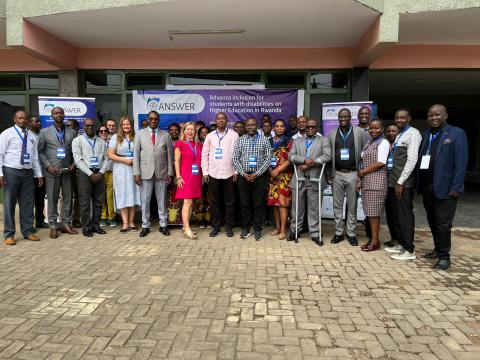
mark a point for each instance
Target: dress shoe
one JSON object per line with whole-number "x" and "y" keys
{"x": 215, "y": 231}
{"x": 41, "y": 225}
{"x": 87, "y": 232}
{"x": 229, "y": 231}
{"x": 317, "y": 241}
{"x": 32, "y": 237}
{"x": 442, "y": 264}
{"x": 98, "y": 230}
{"x": 144, "y": 232}
{"x": 431, "y": 255}
{"x": 336, "y": 239}
{"x": 164, "y": 231}
{"x": 371, "y": 247}
{"x": 53, "y": 233}
{"x": 366, "y": 244}
{"x": 124, "y": 231}
{"x": 68, "y": 230}
{"x": 292, "y": 237}
{"x": 352, "y": 240}
{"x": 9, "y": 241}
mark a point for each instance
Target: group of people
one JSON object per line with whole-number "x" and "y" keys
{"x": 281, "y": 166}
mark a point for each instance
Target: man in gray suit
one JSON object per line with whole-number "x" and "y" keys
{"x": 55, "y": 153}
{"x": 308, "y": 154}
{"x": 153, "y": 168}
{"x": 347, "y": 142}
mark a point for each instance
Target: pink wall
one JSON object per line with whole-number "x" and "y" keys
{"x": 16, "y": 60}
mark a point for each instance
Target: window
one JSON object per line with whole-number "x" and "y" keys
{"x": 12, "y": 82}
{"x": 103, "y": 81}
{"x": 108, "y": 106}
{"x": 329, "y": 81}
{"x": 215, "y": 79}
{"x": 144, "y": 81}
{"x": 286, "y": 80}
{"x": 43, "y": 82}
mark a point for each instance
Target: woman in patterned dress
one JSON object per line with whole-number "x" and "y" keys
{"x": 174, "y": 206}
{"x": 373, "y": 180}
{"x": 279, "y": 191}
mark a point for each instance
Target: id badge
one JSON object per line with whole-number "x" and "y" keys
{"x": 26, "y": 159}
{"x": 194, "y": 169}
{"x": 61, "y": 153}
{"x": 344, "y": 154}
{"x": 425, "y": 164}
{"x": 273, "y": 162}
{"x": 252, "y": 162}
{"x": 390, "y": 163}
{"x": 129, "y": 154}
{"x": 93, "y": 161}
{"x": 218, "y": 153}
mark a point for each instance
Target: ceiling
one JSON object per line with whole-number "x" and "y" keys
{"x": 267, "y": 24}
{"x": 425, "y": 82}
{"x": 456, "y": 27}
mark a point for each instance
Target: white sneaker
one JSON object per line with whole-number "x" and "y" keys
{"x": 404, "y": 255}
{"x": 395, "y": 249}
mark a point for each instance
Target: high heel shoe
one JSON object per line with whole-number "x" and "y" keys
{"x": 371, "y": 247}
{"x": 190, "y": 234}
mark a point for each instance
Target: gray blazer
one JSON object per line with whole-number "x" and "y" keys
{"x": 153, "y": 160}
{"x": 48, "y": 144}
{"x": 320, "y": 153}
{"x": 360, "y": 138}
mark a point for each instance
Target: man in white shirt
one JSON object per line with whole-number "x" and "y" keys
{"x": 19, "y": 165}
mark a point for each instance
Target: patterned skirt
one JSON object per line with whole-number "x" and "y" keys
{"x": 373, "y": 202}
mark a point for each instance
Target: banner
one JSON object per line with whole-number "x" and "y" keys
{"x": 181, "y": 106}
{"x": 330, "y": 113}
{"x": 76, "y": 108}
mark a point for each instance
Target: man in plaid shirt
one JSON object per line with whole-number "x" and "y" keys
{"x": 251, "y": 159}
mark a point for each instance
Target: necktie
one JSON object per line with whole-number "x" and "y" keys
{"x": 153, "y": 137}
{"x": 24, "y": 147}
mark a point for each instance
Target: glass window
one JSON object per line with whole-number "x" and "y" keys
{"x": 12, "y": 82}
{"x": 329, "y": 81}
{"x": 9, "y": 104}
{"x": 286, "y": 80}
{"x": 103, "y": 81}
{"x": 43, "y": 82}
{"x": 142, "y": 81}
{"x": 215, "y": 79}
{"x": 108, "y": 106}
{"x": 317, "y": 101}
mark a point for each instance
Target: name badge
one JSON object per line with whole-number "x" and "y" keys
{"x": 252, "y": 162}
{"x": 390, "y": 163}
{"x": 425, "y": 164}
{"x": 26, "y": 159}
{"x": 129, "y": 154}
{"x": 273, "y": 162}
{"x": 218, "y": 153}
{"x": 194, "y": 169}
{"x": 93, "y": 161}
{"x": 61, "y": 153}
{"x": 344, "y": 154}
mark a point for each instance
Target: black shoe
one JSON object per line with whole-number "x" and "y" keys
{"x": 124, "y": 231}
{"x": 144, "y": 232}
{"x": 442, "y": 264}
{"x": 229, "y": 231}
{"x": 34, "y": 230}
{"x": 292, "y": 237}
{"x": 245, "y": 234}
{"x": 41, "y": 225}
{"x": 317, "y": 241}
{"x": 352, "y": 240}
{"x": 336, "y": 239}
{"x": 258, "y": 235}
{"x": 87, "y": 232}
{"x": 164, "y": 231}
{"x": 98, "y": 230}
{"x": 215, "y": 231}
{"x": 431, "y": 255}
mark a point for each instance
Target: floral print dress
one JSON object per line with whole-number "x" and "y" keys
{"x": 279, "y": 191}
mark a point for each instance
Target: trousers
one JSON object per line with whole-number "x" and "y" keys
{"x": 404, "y": 219}
{"x": 53, "y": 186}
{"x": 344, "y": 187}
{"x": 91, "y": 197}
{"x": 108, "y": 211}
{"x": 146, "y": 191}
{"x": 307, "y": 198}
{"x": 222, "y": 196}
{"x": 252, "y": 202}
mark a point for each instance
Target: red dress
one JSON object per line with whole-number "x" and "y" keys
{"x": 191, "y": 155}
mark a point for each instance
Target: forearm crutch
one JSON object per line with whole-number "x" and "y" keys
{"x": 319, "y": 200}
{"x": 296, "y": 203}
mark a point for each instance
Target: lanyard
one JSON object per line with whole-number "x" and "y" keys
{"x": 380, "y": 138}
{"x": 253, "y": 142}
{"x": 60, "y": 136}
{"x": 221, "y": 138}
{"x": 399, "y": 136}
{"x": 276, "y": 144}
{"x": 92, "y": 145}
{"x": 431, "y": 140}
{"x": 128, "y": 142}
{"x": 308, "y": 144}
{"x": 193, "y": 149}
{"x": 24, "y": 139}
{"x": 345, "y": 137}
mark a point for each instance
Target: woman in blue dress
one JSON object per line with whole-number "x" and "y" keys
{"x": 126, "y": 192}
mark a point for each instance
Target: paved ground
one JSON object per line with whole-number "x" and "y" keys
{"x": 122, "y": 297}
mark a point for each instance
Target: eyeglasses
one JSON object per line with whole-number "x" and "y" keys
{"x": 311, "y": 127}
{"x": 102, "y": 131}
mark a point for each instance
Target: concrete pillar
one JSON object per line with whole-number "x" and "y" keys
{"x": 360, "y": 84}
{"x": 70, "y": 83}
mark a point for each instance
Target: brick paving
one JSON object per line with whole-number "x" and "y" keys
{"x": 122, "y": 297}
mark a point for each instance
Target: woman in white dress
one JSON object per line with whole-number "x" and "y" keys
{"x": 126, "y": 192}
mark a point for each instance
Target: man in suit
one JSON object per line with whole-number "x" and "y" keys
{"x": 309, "y": 153}
{"x": 347, "y": 142}
{"x": 55, "y": 153}
{"x": 153, "y": 168}
{"x": 443, "y": 164}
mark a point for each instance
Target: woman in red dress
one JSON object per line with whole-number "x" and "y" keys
{"x": 188, "y": 153}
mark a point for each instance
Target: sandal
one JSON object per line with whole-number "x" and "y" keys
{"x": 190, "y": 234}
{"x": 275, "y": 232}
{"x": 282, "y": 236}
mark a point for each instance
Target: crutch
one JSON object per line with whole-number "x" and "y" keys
{"x": 320, "y": 201}
{"x": 297, "y": 180}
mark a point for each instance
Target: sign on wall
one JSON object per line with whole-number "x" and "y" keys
{"x": 330, "y": 113}
{"x": 181, "y": 106}
{"x": 74, "y": 108}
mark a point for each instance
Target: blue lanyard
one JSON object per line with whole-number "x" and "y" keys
{"x": 61, "y": 138}
{"x": 399, "y": 136}
{"x": 94, "y": 141}
{"x": 345, "y": 137}
{"x": 253, "y": 142}
{"x": 276, "y": 144}
{"x": 128, "y": 142}
{"x": 24, "y": 139}
{"x": 309, "y": 143}
{"x": 431, "y": 140}
{"x": 193, "y": 149}
{"x": 380, "y": 138}
{"x": 221, "y": 138}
